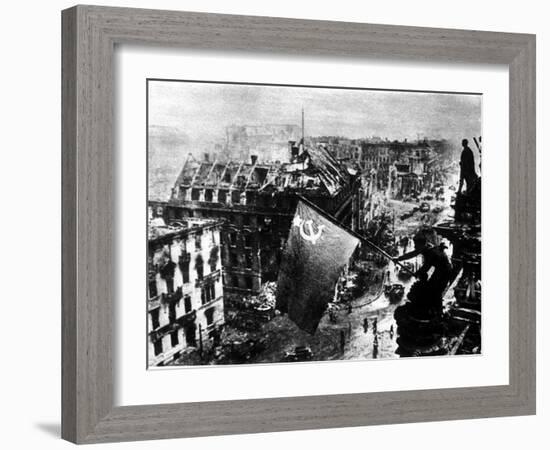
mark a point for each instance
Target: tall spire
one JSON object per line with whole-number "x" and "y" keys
{"x": 303, "y": 142}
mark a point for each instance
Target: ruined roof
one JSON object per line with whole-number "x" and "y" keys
{"x": 221, "y": 174}
{"x": 321, "y": 164}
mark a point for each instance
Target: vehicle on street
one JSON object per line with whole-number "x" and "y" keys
{"x": 300, "y": 353}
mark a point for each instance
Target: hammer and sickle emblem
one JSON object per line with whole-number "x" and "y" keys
{"x": 306, "y": 229}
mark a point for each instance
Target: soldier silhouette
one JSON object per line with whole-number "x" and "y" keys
{"x": 467, "y": 167}
{"x": 433, "y": 257}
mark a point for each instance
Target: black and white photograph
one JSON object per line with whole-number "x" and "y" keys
{"x": 291, "y": 224}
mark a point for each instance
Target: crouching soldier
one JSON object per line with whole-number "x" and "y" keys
{"x": 433, "y": 256}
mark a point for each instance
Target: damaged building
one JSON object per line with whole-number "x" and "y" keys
{"x": 266, "y": 142}
{"x": 256, "y": 202}
{"x": 185, "y": 291}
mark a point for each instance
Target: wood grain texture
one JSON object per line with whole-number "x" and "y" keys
{"x": 89, "y": 36}
{"x": 68, "y": 225}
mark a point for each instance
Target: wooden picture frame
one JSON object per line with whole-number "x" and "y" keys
{"x": 89, "y": 37}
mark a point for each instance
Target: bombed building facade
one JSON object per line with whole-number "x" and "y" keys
{"x": 256, "y": 201}
{"x": 402, "y": 167}
{"x": 267, "y": 142}
{"x": 185, "y": 292}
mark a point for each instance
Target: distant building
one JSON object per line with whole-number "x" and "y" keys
{"x": 185, "y": 291}
{"x": 267, "y": 142}
{"x": 256, "y": 202}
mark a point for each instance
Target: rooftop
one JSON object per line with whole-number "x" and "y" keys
{"x": 312, "y": 168}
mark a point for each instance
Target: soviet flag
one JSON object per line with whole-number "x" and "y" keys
{"x": 315, "y": 253}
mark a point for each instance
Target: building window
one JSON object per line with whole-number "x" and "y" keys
{"x": 248, "y": 281}
{"x": 208, "y": 293}
{"x": 187, "y": 303}
{"x": 205, "y": 294}
{"x": 155, "y": 318}
{"x": 208, "y": 195}
{"x": 167, "y": 273}
{"x": 248, "y": 240}
{"x": 235, "y": 281}
{"x": 233, "y": 260}
{"x": 184, "y": 267}
{"x": 248, "y": 257}
{"x": 209, "y": 314}
{"x": 198, "y": 242}
{"x": 190, "y": 337}
{"x": 170, "y": 285}
{"x": 195, "y": 194}
{"x": 174, "y": 340}
{"x": 153, "y": 292}
{"x": 172, "y": 312}
{"x": 199, "y": 267}
{"x": 158, "y": 347}
{"x": 222, "y": 196}
{"x": 213, "y": 260}
{"x": 236, "y": 197}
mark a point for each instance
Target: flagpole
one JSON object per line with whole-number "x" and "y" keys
{"x": 353, "y": 233}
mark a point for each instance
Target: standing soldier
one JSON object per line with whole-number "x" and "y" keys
{"x": 467, "y": 167}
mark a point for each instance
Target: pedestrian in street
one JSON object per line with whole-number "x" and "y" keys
{"x": 391, "y": 331}
{"x": 366, "y": 324}
{"x": 375, "y": 326}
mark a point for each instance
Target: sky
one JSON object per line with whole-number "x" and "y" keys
{"x": 201, "y": 111}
